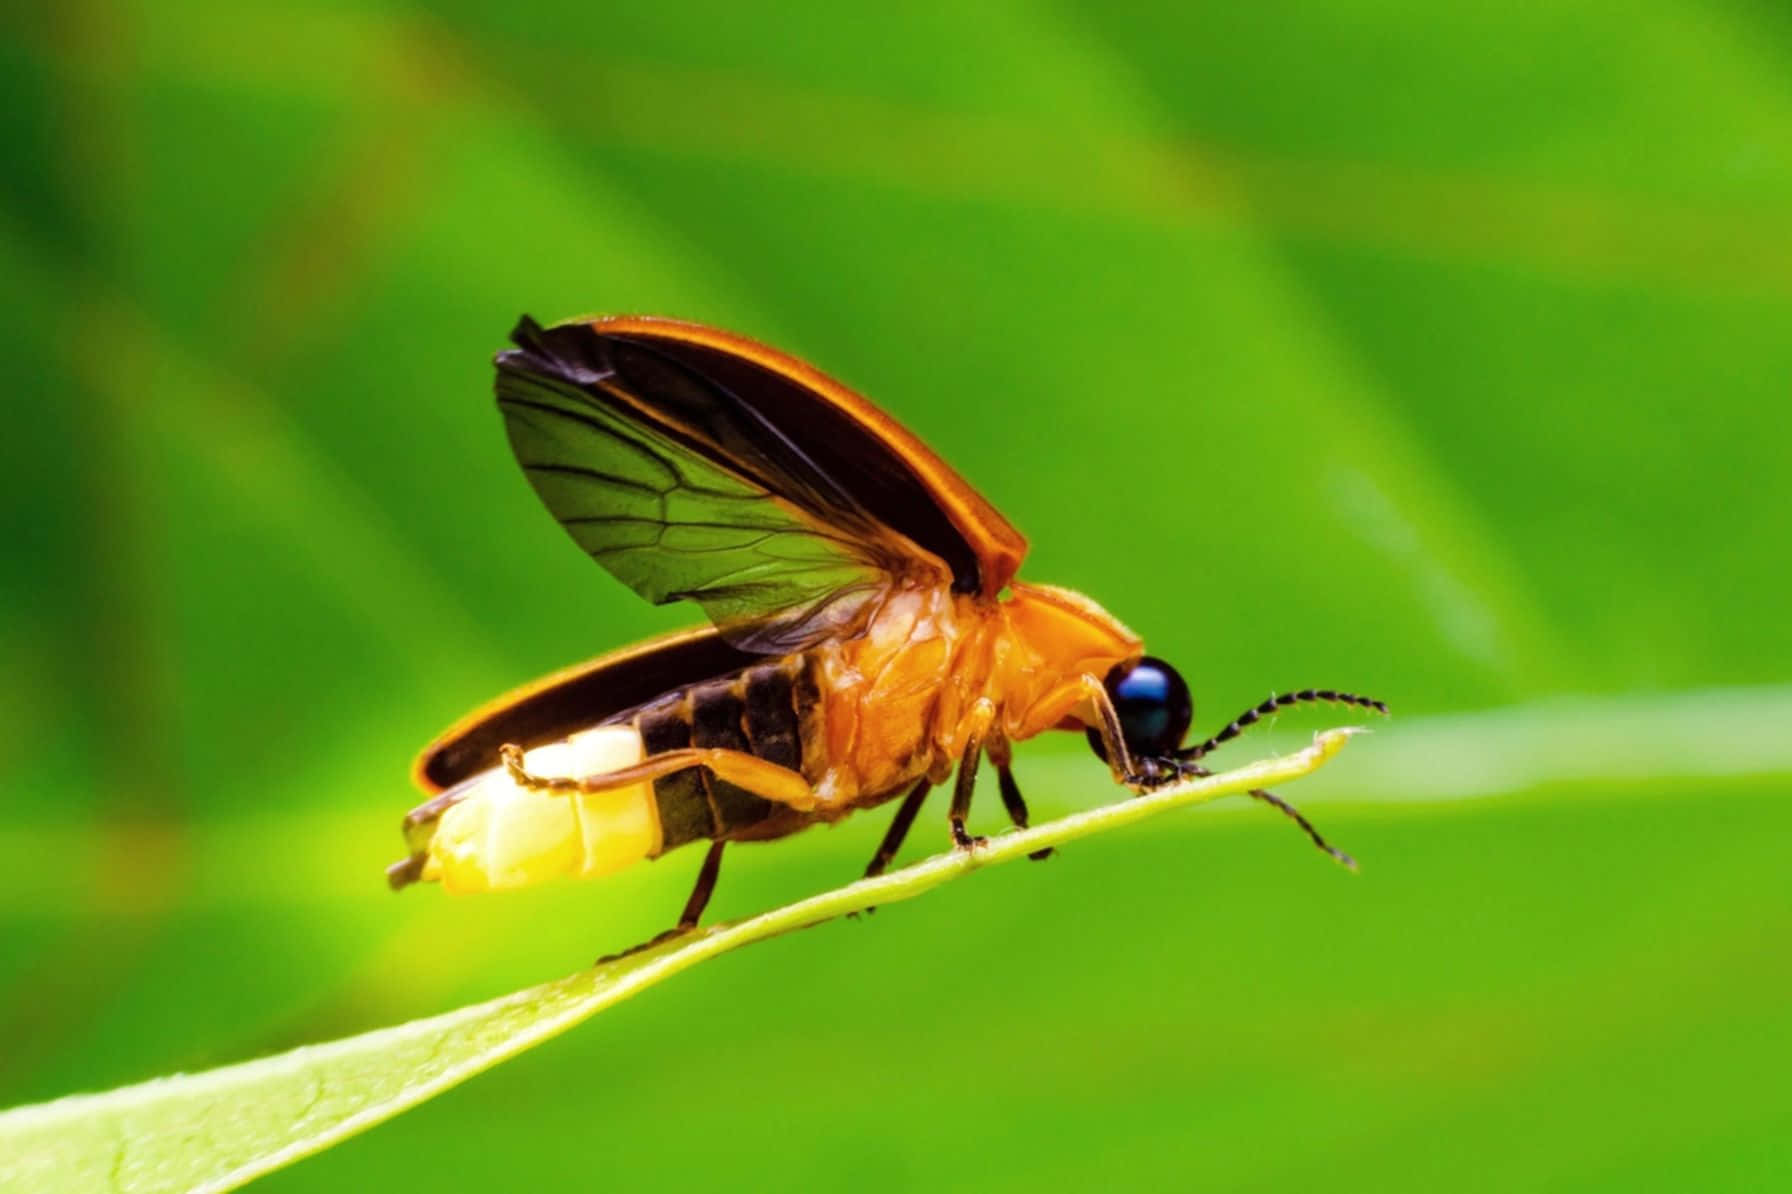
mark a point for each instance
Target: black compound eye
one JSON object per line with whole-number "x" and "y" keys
{"x": 1154, "y": 708}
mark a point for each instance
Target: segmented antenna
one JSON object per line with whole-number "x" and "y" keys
{"x": 1274, "y": 704}
{"x": 1293, "y": 814}
{"x": 1289, "y": 811}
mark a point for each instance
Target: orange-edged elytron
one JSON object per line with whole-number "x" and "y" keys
{"x": 867, "y": 632}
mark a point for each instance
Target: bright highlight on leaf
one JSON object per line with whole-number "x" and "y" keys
{"x": 217, "y": 1130}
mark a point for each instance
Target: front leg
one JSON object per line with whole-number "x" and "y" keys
{"x": 1141, "y": 775}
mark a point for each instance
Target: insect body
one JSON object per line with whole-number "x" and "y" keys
{"x": 867, "y": 635}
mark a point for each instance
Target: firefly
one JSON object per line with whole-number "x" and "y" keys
{"x": 867, "y": 640}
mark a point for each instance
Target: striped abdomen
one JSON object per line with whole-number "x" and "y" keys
{"x": 813, "y": 713}
{"x": 770, "y": 711}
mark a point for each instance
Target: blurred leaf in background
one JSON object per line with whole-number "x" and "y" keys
{"x": 1456, "y": 341}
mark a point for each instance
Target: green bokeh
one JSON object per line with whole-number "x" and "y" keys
{"x": 1441, "y": 353}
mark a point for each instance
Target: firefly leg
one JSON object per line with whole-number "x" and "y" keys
{"x": 778, "y": 784}
{"x": 893, "y": 837}
{"x": 1016, "y": 804}
{"x": 706, "y": 887}
{"x": 1113, "y": 740}
{"x": 1068, "y": 699}
{"x": 895, "y": 834}
{"x": 962, "y": 787}
{"x": 693, "y": 907}
{"x": 976, "y": 727}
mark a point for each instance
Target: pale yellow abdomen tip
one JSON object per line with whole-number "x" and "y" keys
{"x": 501, "y": 836}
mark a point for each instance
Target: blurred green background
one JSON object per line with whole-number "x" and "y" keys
{"x": 1437, "y": 353}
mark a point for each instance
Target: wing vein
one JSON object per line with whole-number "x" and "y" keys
{"x": 637, "y": 447}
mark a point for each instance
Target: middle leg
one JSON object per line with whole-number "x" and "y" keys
{"x": 976, "y": 729}
{"x": 962, "y": 788}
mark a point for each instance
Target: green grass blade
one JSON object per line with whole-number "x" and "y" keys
{"x": 219, "y": 1129}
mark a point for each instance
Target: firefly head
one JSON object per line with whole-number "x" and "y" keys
{"x": 1154, "y": 709}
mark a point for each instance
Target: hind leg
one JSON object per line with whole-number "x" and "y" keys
{"x": 780, "y": 785}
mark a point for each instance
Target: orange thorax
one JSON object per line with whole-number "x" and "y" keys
{"x": 899, "y": 700}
